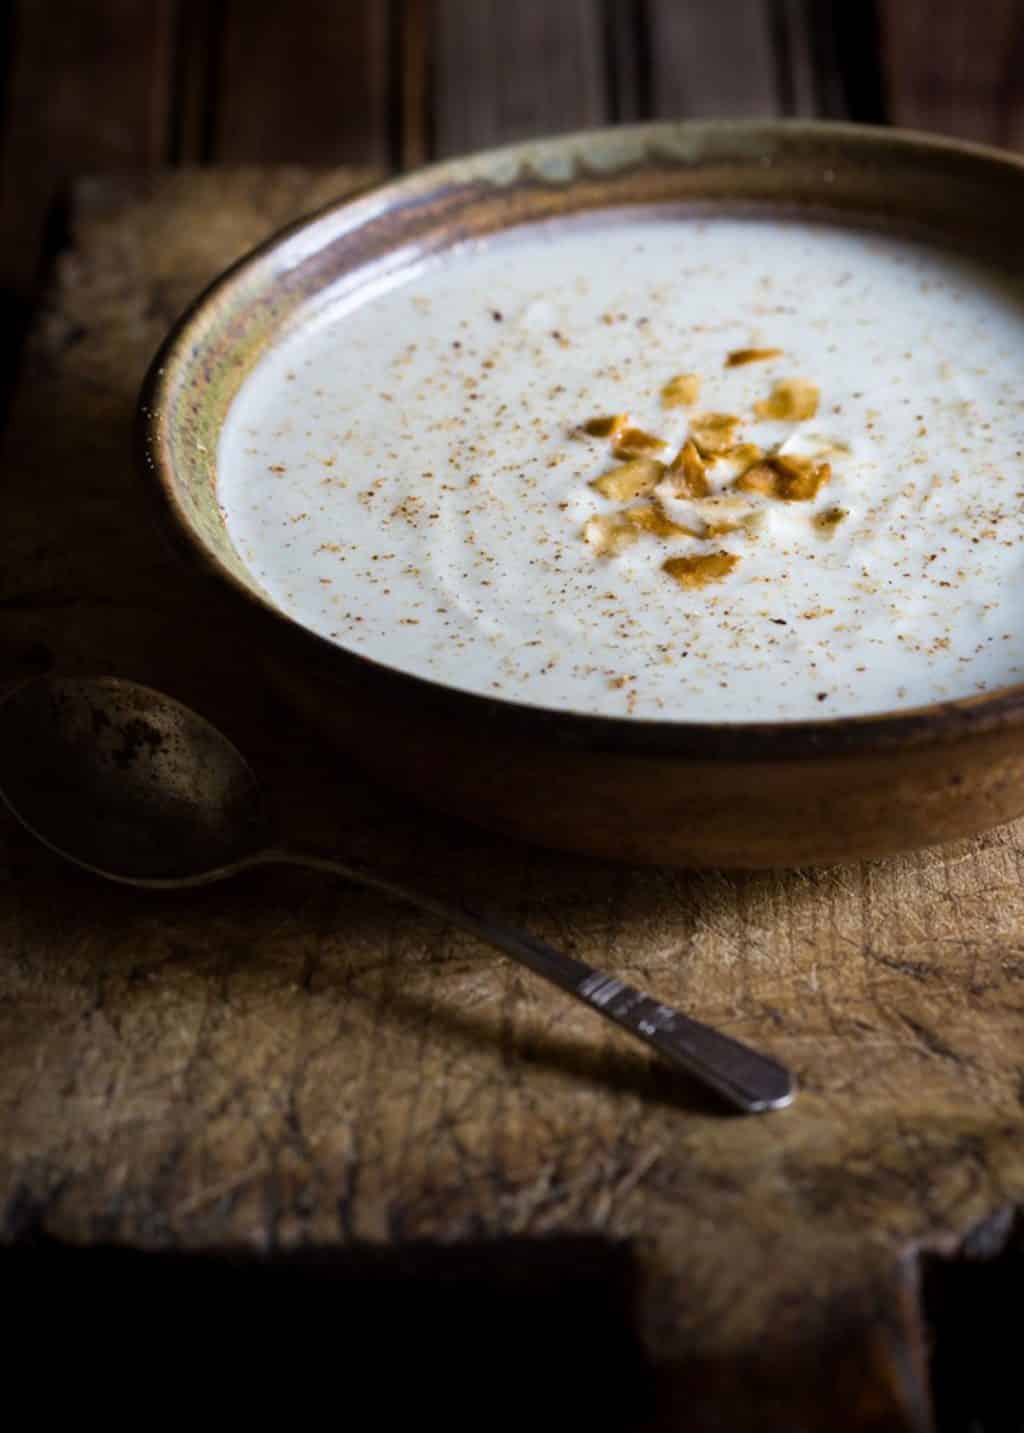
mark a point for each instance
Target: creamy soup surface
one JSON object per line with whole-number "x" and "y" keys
{"x": 833, "y": 524}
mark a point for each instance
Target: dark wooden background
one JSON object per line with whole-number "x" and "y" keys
{"x": 99, "y": 85}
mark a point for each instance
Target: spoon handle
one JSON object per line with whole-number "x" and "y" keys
{"x": 751, "y": 1081}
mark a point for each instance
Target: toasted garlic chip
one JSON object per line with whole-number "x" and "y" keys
{"x": 713, "y": 432}
{"x": 739, "y": 356}
{"x": 650, "y": 517}
{"x": 801, "y": 479}
{"x": 681, "y": 391}
{"x": 727, "y": 513}
{"x": 794, "y": 480}
{"x": 635, "y": 443}
{"x": 722, "y": 526}
{"x": 792, "y": 399}
{"x": 687, "y": 473}
{"x": 693, "y": 572}
{"x": 606, "y": 427}
{"x": 828, "y": 520}
{"x": 760, "y": 478}
{"x": 609, "y": 536}
{"x": 632, "y": 480}
{"x": 745, "y": 455}
{"x": 609, "y": 426}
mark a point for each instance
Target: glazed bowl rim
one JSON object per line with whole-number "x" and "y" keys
{"x": 936, "y": 722}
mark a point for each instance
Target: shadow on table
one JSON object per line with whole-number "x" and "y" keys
{"x": 531, "y": 1333}
{"x": 502, "y": 1334}
{"x": 585, "y": 1061}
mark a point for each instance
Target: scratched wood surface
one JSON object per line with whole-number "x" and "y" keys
{"x": 289, "y": 1060}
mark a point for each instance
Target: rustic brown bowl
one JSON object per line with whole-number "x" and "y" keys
{"x": 754, "y": 795}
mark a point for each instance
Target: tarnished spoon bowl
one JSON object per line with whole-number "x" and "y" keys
{"x": 127, "y": 782}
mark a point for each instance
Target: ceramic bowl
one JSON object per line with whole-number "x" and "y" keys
{"x": 750, "y": 795}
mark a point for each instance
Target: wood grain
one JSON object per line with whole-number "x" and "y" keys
{"x": 307, "y": 81}
{"x": 627, "y": 60}
{"x": 709, "y": 60}
{"x": 415, "y": 31}
{"x": 808, "y": 60}
{"x": 504, "y": 72}
{"x": 198, "y": 40}
{"x": 88, "y": 91}
{"x": 289, "y": 1061}
{"x": 955, "y": 68}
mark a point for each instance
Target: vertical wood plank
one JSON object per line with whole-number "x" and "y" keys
{"x": 711, "y": 60}
{"x": 89, "y": 89}
{"x": 200, "y": 29}
{"x": 7, "y": 8}
{"x": 955, "y": 67}
{"x": 507, "y": 71}
{"x": 810, "y": 55}
{"x": 627, "y": 60}
{"x": 306, "y": 81}
{"x": 849, "y": 39}
{"x": 798, "y": 78}
{"x": 415, "y": 22}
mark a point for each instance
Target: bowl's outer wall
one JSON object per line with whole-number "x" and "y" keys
{"x": 657, "y": 809}
{"x": 754, "y": 795}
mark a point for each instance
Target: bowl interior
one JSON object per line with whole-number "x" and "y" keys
{"x": 961, "y": 193}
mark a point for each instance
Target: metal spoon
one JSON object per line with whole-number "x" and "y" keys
{"x": 136, "y": 787}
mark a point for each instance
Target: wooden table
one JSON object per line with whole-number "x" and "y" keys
{"x": 287, "y": 1063}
